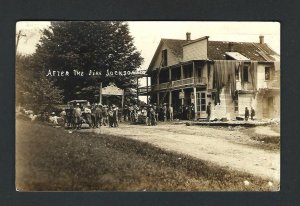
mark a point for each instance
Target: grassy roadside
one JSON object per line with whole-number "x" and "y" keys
{"x": 267, "y": 141}
{"x": 52, "y": 159}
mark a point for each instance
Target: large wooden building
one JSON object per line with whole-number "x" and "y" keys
{"x": 230, "y": 75}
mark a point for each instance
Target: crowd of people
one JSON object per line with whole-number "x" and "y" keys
{"x": 97, "y": 115}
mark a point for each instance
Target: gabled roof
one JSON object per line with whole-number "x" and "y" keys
{"x": 216, "y": 50}
{"x": 175, "y": 45}
{"x": 253, "y": 51}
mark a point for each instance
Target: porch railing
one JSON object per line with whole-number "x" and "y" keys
{"x": 144, "y": 90}
{"x": 181, "y": 83}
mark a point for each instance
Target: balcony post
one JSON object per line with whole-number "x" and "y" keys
{"x": 170, "y": 98}
{"x": 182, "y": 100}
{"x": 147, "y": 90}
{"x": 194, "y": 76}
{"x": 170, "y": 74}
{"x": 195, "y": 102}
{"x": 157, "y": 100}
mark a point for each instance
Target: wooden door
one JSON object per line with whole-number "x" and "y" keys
{"x": 201, "y": 104}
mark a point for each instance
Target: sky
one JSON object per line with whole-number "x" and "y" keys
{"x": 147, "y": 34}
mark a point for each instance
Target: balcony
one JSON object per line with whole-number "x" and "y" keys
{"x": 181, "y": 83}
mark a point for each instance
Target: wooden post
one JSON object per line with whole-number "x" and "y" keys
{"x": 147, "y": 90}
{"x": 182, "y": 100}
{"x": 170, "y": 81}
{"x": 194, "y": 73}
{"x": 123, "y": 99}
{"x": 195, "y": 103}
{"x": 158, "y": 72}
{"x": 100, "y": 94}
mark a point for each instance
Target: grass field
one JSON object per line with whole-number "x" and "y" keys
{"x": 52, "y": 159}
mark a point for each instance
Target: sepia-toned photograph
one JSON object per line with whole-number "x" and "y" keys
{"x": 147, "y": 106}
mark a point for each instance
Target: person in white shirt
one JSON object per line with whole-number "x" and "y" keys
{"x": 77, "y": 116}
{"x": 88, "y": 115}
{"x": 171, "y": 112}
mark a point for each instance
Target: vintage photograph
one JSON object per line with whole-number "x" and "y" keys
{"x": 147, "y": 106}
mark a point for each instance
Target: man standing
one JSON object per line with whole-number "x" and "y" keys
{"x": 88, "y": 113}
{"x": 93, "y": 117}
{"x": 193, "y": 116}
{"x": 246, "y": 113}
{"x": 208, "y": 111}
{"x": 63, "y": 115}
{"x": 77, "y": 115}
{"x": 171, "y": 112}
{"x": 153, "y": 116}
{"x": 98, "y": 116}
{"x": 105, "y": 115}
{"x": 115, "y": 116}
{"x": 110, "y": 117}
{"x": 130, "y": 113}
{"x": 252, "y": 113}
{"x": 165, "y": 112}
{"x": 156, "y": 110}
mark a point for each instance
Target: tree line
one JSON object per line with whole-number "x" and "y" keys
{"x": 80, "y": 45}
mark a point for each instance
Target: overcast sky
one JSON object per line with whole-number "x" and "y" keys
{"x": 147, "y": 34}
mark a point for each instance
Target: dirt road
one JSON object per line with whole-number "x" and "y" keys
{"x": 224, "y": 147}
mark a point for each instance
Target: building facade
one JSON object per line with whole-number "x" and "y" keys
{"x": 230, "y": 75}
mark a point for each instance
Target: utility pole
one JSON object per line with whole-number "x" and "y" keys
{"x": 19, "y": 35}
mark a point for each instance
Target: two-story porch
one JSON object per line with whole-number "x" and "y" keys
{"x": 177, "y": 84}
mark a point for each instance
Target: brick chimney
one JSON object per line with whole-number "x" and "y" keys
{"x": 261, "y": 39}
{"x": 230, "y": 46}
{"x": 188, "y": 36}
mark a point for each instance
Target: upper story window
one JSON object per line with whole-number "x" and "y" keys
{"x": 164, "y": 56}
{"x": 245, "y": 74}
{"x": 267, "y": 73}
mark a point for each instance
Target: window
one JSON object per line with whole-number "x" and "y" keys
{"x": 245, "y": 74}
{"x": 164, "y": 55}
{"x": 267, "y": 73}
{"x": 188, "y": 72}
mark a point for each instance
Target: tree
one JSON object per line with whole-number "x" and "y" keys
{"x": 85, "y": 46}
{"x": 33, "y": 89}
